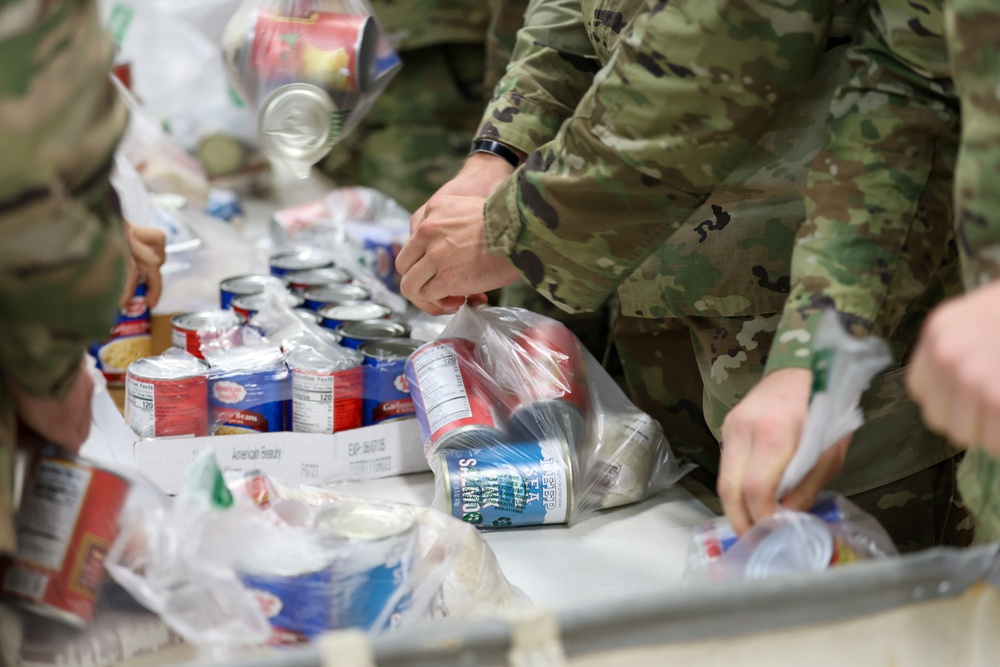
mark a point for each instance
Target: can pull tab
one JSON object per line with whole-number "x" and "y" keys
{"x": 534, "y": 639}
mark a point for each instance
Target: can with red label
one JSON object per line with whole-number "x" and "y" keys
{"x": 248, "y": 305}
{"x": 333, "y": 316}
{"x": 387, "y": 391}
{"x": 291, "y": 261}
{"x": 451, "y": 393}
{"x": 167, "y": 395}
{"x": 230, "y": 288}
{"x": 300, "y": 281}
{"x": 248, "y": 391}
{"x": 129, "y": 339}
{"x": 336, "y": 295}
{"x": 354, "y": 334}
{"x": 326, "y": 393}
{"x": 67, "y": 522}
{"x": 190, "y": 330}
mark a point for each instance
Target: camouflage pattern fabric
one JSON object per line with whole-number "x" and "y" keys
{"x": 973, "y": 32}
{"x": 63, "y": 247}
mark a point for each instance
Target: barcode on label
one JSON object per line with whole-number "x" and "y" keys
{"x": 26, "y": 583}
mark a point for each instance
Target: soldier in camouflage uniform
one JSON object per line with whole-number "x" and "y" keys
{"x": 62, "y": 247}
{"x": 675, "y": 173}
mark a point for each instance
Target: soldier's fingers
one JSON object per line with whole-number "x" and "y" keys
{"x": 154, "y": 287}
{"x": 132, "y": 278}
{"x": 936, "y": 405}
{"x": 802, "y": 497}
{"x": 964, "y": 417}
{"x": 736, "y": 449}
{"x": 417, "y": 218}
{"x": 775, "y": 440}
{"x": 990, "y": 429}
{"x": 411, "y": 253}
{"x": 918, "y": 375}
{"x": 414, "y": 280}
{"x": 155, "y": 241}
{"x": 476, "y": 300}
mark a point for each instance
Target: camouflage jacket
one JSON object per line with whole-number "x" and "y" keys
{"x": 413, "y": 24}
{"x": 675, "y": 171}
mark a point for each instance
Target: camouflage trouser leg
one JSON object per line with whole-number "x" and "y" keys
{"x": 689, "y": 373}
{"x": 979, "y": 481}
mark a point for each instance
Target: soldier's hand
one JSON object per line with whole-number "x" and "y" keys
{"x": 955, "y": 373}
{"x": 148, "y": 252}
{"x": 759, "y": 437}
{"x": 481, "y": 174}
{"x": 446, "y": 257}
{"x": 64, "y": 422}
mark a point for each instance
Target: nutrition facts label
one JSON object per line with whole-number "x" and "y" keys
{"x": 312, "y": 402}
{"x": 141, "y": 408}
{"x": 48, "y": 517}
{"x": 441, "y": 386}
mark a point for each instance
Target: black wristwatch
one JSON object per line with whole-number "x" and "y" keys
{"x": 496, "y": 148}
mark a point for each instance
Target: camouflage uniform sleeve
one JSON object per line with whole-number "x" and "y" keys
{"x": 62, "y": 246}
{"x": 506, "y": 18}
{"x": 552, "y": 65}
{"x": 686, "y": 95}
{"x": 873, "y": 236}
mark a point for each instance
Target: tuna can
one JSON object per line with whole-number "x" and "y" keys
{"x": 333, "y": 316}
{"x": 450, "y": 393}
{"x": 291, "y": 261}
{"x": 248, "y": 305}
{"x": 504, "y": 485}
{"x": 335, "y": 295}
{"x": 67, "y": 522}
{"x": 326, "y": 393}
{"x": 248, "y": 391}
{"x": 387, "y": 392}
{"x": 300, "y": 281}
{"x": 167, "y": 396}
{"x": 353, "y": 334}
{"x": 795, "y": 543}
{"x": 188, "y": 330}
{"x": 129, "y": 339}
{"x": 230, "y": 288}
{"x": 373, "y": 584}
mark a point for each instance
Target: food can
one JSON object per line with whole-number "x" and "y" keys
{"x": 299, "y": 122}
{"x": 326, "y": 393}
{"x": 189, "y": 330}
{"x": 373, "y": 584}
{"x": 129, "y": 339}
{"x": 335, "y": 295}
{"x": 333, "y": 316}
{"x": 353, "y": 334}
{"x": 387, "y": 391}
{"x": 300, "y": 281}
{"x": 167, "y": 395}
{"x": 66, "y": 524}
{"x": 248, "y": 305}
{"x": 549, "y": 419}
{"x": 450, "y": 391}
{"x": 230, "y": 288}
{"x": 248, "y": 391}
{"x": 501, "y": 485}
{"x": 291, "y": 261}
{"x": 310, "y": 316}
{"x": 625, "y": 461}
{"x": 555, "y": 365}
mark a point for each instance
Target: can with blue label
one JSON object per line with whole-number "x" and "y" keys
{"x": 353, "y": 334}
{"x": 301, "y": 281}
{"x": 230, "y": 288}
{"x": 224, "y": 205}
{"x": 249, "y": 391}
{"x": 304, "y": 259}
{"x": 334, "y": 316}
{"x": 129, "y": 339}
{"x": 298, "y": 606}
{"x": 335, "y": 295}
{"x": 248, "y": 305}
{"x": 504, "y": 485}
{"x": 373, "y": 583}
{"x": 387, "y": 391}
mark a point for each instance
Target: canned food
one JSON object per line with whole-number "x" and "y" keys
{"x": 549, "y": 419}
{"x": 291, "y": 261}
{"x": 300, "y": 281}
{"x": 622, "y": 467}
{"x": 230, "y": 288}
{"x": 326, "y": 393}
{"x": 310, "y": 316}
{"x": 353, "y": 334}
{"x": 372, "y": 589}
{"x": 67, "y": 522}
{"x": 333, "y": 316}
{"x": 248, "y": 305}
{"x": 300, "y": 123}
{"x": 167, "y": 395}
{"x": 449, "y": 390}
{"x": 190, "y": 330}
{"x": 129, "y": 339}
{"x": 335, "y": 295}
{"x": 504, "y": 485}
{"x": 248, "y": 391}
{"x": 387, "y": 392}
{"x": 555, "y": 364}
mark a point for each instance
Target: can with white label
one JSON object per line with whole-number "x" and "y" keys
{"x": 166, "y": 396}
{"x": 326, "y": 393}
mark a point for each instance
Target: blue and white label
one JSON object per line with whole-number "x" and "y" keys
{"x": 523, "y": 484}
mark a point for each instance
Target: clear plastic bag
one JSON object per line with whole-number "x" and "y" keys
{"x": 312, "y": 68}
{"x": 522, "y": 426}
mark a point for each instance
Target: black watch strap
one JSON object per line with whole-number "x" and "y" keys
{"x": 496, "y": 148}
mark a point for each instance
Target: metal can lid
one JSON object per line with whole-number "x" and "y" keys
{"x": 355, "y": 312}
{"x": 338, "y": 294}
{"x": 205, "y": 319}
{"x": 296, "y": 121}
{"x": 302, "y": 259}
{"x": 363, "y": 522}
{"x": 307, "y": 315}
{"x": 168, "y": 367}
{"x": 256, "y": 301}
{"x": 249, "y": 284}
{"x": 472, "y": 436}
{"x": 244, "y": 358}
{"x": 389, "y": 349}
{"x": 798, "y": 543}
{"x": 314, "y": 360}
{"x": 374, "y": 329}
{"x": 330, "y": 275}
